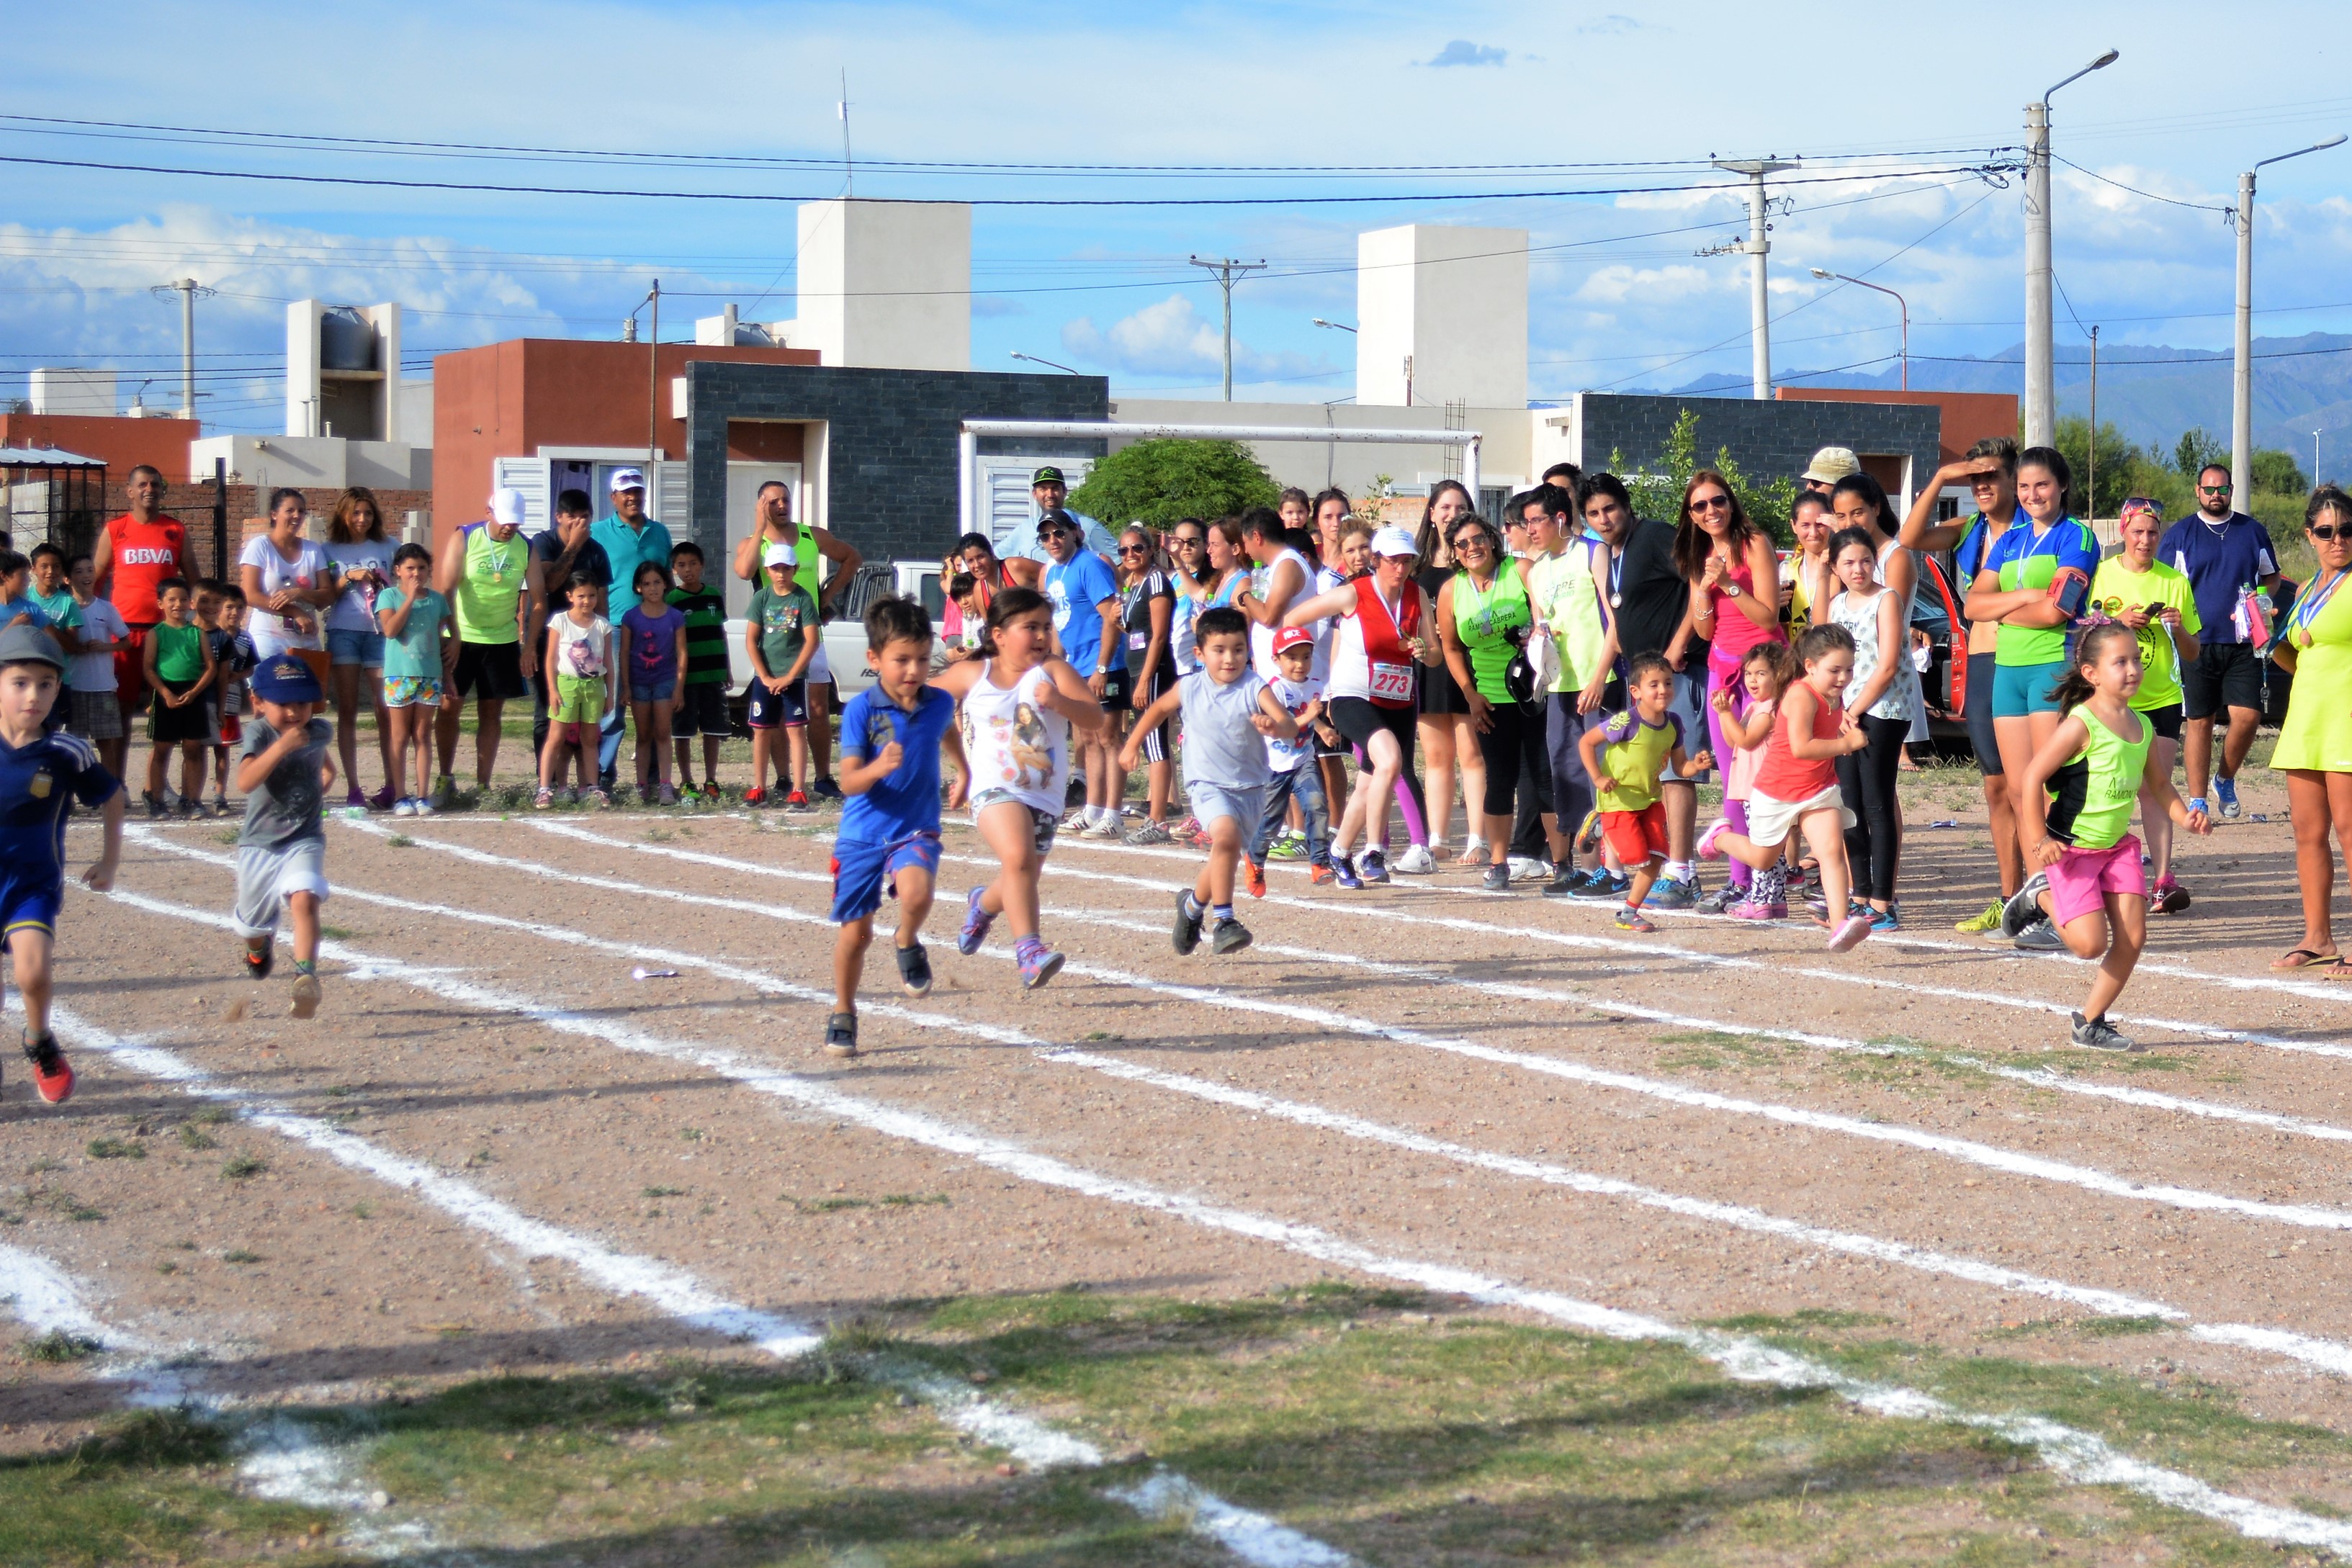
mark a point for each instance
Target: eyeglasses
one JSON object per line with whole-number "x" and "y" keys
{"x": 1135, "y": 549}
{"x": 1186, "y": 541}
{"x": 2328, "y": 532}
{"x": 1710, "y": 504}
{"x": 1053, "y": 533}
{"x": 2212, "y": 489}
{"x": 1468, "y": 538}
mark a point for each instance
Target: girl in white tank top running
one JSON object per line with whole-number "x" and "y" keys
{"x": 1017, "y": 705}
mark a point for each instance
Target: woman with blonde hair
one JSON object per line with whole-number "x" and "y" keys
{"x": 362, "y": 558}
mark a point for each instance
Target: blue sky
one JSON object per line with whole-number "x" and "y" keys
{"x": 2160, "y": 136}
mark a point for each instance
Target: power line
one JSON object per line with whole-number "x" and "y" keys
{"x": 2135, "y": 190}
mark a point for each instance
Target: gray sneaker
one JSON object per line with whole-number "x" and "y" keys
{"x": 1496, "y": 879}
{"x": 2041, "y": 937}
{"x": 1148, "y": 833}
{"x": 2098, "y": 1034}
{"x": 2023, "y": 909}
{"x": 1187, "y": 931}
{"x": 1230, "y": 936}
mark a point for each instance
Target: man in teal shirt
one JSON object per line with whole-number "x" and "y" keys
{"x": 629, "y": 538}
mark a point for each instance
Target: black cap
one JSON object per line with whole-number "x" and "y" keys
{"x": 1049, "y": 474}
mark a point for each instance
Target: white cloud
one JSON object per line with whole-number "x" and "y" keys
{"x": 1463, "y": 52}
{"x": 1171, "y": 339}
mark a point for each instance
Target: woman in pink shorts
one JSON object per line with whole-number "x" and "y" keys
{"x": 2090, "y": 897}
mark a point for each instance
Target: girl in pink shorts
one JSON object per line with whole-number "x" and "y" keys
{"x": 2091, "y": 893}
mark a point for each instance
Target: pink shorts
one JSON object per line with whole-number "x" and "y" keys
{"x": 2080, "y": 881}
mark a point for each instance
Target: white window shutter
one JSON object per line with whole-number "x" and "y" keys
{"x": 668, "y": 503}
{"x": 528, "y": 475}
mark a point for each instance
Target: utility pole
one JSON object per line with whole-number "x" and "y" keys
{"x": 187, "y": 289}
{"x": 848, "y": 168}
{"x": 1227, "y": 269}
{"x": 1759, "y": 246}
{"x": 2041, "y": 396}
{"x": 2091, "y": 494}
{"x": 652, "y": 395}
{"x": 2241, "y": 381}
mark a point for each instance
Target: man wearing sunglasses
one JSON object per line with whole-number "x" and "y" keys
{"x": 2224, "y": 554}
{"x": 1085, "y": 599}
{"x": 1026, "y": 558}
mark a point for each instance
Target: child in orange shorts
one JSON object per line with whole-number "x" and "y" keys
{"x": 1624, "y": 758}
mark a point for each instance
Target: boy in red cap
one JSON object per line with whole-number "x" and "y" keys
{"x": 1296, "y": 777}
{"x": 41, "y": 773}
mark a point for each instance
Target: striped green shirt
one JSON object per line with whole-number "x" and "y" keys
{"x": 706, "y": 635}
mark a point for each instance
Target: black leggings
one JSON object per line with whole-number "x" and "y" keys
{"x": 1515, "y": 745}
{"x": 1867, "y": 780}
{"x": 1357, "y": 720}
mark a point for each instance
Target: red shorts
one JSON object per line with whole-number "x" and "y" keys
{"x": 131, "y": 671}
{"x": 1637, "y": 836}
{"x": 2082, "y": 878}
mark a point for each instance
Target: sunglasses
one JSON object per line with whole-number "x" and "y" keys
{"x": 2212, "y": 489}
{"x": 1711, "y": 504}
{"x": 1135, "y": 549}
{"x": 1053, "y": 533}
{"x": 1187, "y": 541}
{"x": 1466, "y": 539}
{"x": 2329, "y": 532}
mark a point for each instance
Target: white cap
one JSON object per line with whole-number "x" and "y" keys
{"x": 506, "y": 507}
{"x": 1395, "y": 540}
{"x": 627, "y": 479}
{"x": 781, "y": 555}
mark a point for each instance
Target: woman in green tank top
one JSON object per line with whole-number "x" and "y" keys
{"x": 1482, "y": 616}
{"x": 2091, "y": 891}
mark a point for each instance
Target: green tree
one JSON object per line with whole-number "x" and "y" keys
{"x": 2117, "y": 457}
{"x": 2195, "y": 449}
{"x": 2278, "y": 472}
{"x": 1157, "y": 482}
{"x": 1657, "y": 489}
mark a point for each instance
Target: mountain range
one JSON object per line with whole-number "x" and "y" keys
{"x": 2149, "y": 392}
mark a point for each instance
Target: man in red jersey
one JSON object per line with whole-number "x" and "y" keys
{"x": 138, "y": 551}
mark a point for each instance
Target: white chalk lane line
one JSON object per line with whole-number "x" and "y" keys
{"x": 2330, "y": 1355}
{"x": 2037, "y": 1078}
{"x": 2078, "y": 1455}
{"x": 1985, "y": 1156}
{"x": 668, "y": 1288}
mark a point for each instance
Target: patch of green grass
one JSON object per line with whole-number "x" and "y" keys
{"x": 238, "y": 1168}
{"x": 156, "y": 1487}
{"x": 664, "y": 1192}
{"x": 2112, "y": 1328}
{"x": 834, "y": 1204}
{"x": 1711, "y": 1051}
{"x": 116, "y": 1149}
{"x": 239, "y": 1255}
{"x": 691, "y": 1135}
{"x": 57, "y": 1345}
{"x": 214, "y": 1115}
{"x": 400, "y": 842}
{"x": 226, "y": 836}
{"x": 195, "y": 1137}
{"x": 336, "y": 933}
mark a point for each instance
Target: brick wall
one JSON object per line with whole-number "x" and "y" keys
{"x": 192, "y": 504}
{"x": 1766, "y": 439}
{"x": 890, "y": 459}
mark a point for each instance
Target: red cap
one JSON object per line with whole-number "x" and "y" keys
{"x": 1293, "y": 637}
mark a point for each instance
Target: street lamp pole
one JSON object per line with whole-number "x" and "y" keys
{"x": 2041, "y": 394}
{"x": 1903, "y": 304}
{"x": 1048, "y": 363}
{"x": 2241, "y": 382}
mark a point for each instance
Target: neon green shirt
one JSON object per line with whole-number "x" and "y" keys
{"x": 2115, "y": 588}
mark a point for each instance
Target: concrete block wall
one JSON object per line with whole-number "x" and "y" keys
{"x": 891, "y": 446}
{"x": 1766, "y": 439}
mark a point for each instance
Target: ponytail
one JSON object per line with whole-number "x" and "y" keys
{"x": 2073, "y": 688}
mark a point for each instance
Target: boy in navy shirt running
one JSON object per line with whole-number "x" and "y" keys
{"x": 891, "y": 739}
{"x": 40, "y": 775}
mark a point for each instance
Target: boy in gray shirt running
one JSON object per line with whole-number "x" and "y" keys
{"x": 285, "y": 772}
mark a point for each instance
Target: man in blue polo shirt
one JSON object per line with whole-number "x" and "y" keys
{"x": 1086, "y": 626}
{"x": 629, "y": 537}
{"x": 1026, "y": 556}
{"x": 2223, "y": 553}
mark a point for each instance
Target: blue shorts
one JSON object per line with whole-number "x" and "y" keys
{"x": 1244, "y": 804}
{"x": 653, "y": 690}
{"x": 30, "y": 906}
{"x": 355, "y": 647}
{"x": 861, "y": 868}
{"x": 2021, "y": 689}
{"x": 788, "y": 707}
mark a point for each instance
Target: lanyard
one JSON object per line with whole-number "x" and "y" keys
{"x": 2312, "y": 600}
{"x": 1616, "y": 578}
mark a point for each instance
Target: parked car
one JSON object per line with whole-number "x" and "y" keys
{"x": 844, "y": 635}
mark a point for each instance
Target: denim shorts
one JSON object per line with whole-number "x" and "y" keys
{"x": 352, "y": 647}
{"x": 652, "y": 692}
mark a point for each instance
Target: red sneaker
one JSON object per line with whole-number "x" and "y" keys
{"x": 755, "y": 796}
{"x": 53, "y": 1075}
{"x": 1321, "y": 875}
{"x": 1257, "y": 879}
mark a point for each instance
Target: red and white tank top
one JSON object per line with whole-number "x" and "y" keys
{"x": 1369, "y": 658}
{"x": 145, "y": 555}
{"x": 1788, "y": 777}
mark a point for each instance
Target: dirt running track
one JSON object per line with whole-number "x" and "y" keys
{"x": 1716, "y": 1121}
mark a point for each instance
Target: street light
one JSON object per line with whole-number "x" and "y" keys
{"x": 1035, "y": 360}
{"x": 1825, "y": 276}
{"x": 2242, "y": 385}
{"x": 1335, "y": 326}
{"x": 1759, "y": 245}
{"x": 2041, "y": 394}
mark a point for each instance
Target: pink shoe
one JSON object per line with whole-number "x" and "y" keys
{"x": 1706, "y": 850}
{"x": 1850, "y": 933}
{"x": 1758, "y": 912}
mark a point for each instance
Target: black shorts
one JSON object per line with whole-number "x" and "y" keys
{"x": 2165, "y": 721}
{"x": 169, "y": 726}
{"x": 788, "y": 707}
{"x": 2226, "y": 675}
{"x": 1977, "y": 710}
{"x": 1440, "y": 691}
{"x": 1359, "y": 719}
{"x": 1118, "y": 697}
{"x": 489, "y": 671}
{"x": 704, "y": 711}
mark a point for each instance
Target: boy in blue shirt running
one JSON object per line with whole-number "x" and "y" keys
{"x": 40, "y": 776}
{"x": 891, "y": 739}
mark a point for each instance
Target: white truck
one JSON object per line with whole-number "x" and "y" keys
{"x": 844, "y": 635}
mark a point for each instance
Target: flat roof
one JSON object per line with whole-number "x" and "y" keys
{"x": 46, "y": 457}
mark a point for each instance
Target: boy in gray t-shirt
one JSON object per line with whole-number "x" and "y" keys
{"x": 284, "y": 770}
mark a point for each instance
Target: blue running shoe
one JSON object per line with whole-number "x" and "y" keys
{"x": 1668, "y": 893}
{"x": 2227, "y": 789}
{"x": 1038, "y": 964}
{"x": 1886, "y": 920}
{"x": 1372, "y": 866}
{"x": 1343, "y": 871}
{"x": 976, "y": 921}
{"x": 1603, "y": 886}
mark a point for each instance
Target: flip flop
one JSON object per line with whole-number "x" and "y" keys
{"x": 2304, "y": 958}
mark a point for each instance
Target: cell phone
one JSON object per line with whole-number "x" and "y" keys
{"x": 2155, "y": 611}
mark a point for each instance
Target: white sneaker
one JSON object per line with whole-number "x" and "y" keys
{"x": 1103, "y": 827}
{"x": 1416, "y": 861}
{"x": 404, "y": 807}
{"x": 1524, "y": 870}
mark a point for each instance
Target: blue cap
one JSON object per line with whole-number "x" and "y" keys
{"x": 286, "y": 679}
